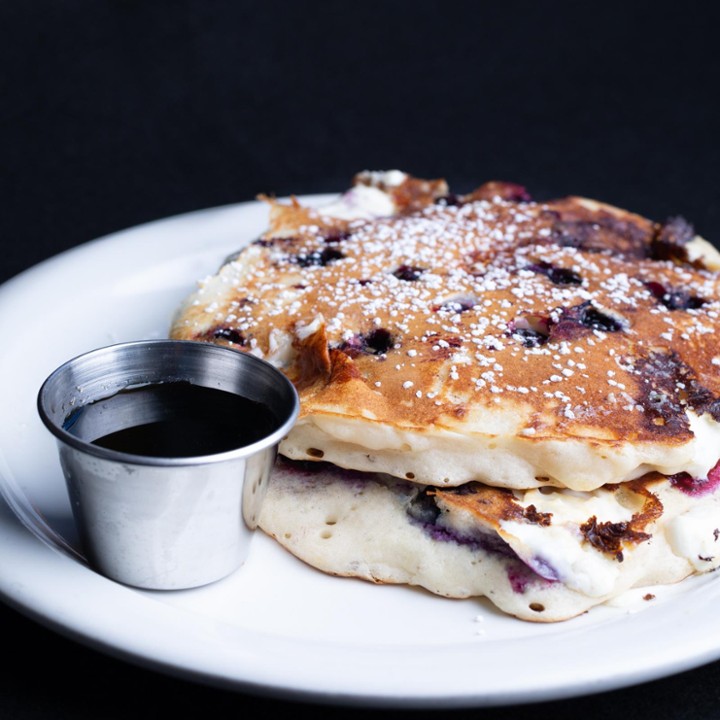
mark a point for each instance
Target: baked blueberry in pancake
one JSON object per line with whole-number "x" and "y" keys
{"x": 482, "y": 354}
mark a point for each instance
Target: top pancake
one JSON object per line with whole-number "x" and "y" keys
{"x": 488, "y": 337}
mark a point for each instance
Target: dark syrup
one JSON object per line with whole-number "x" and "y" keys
{"x": 174, "y": 419}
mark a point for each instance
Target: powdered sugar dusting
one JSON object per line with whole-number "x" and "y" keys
{"x": 502, "y": 298}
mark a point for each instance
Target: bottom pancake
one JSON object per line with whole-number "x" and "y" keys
{"x": 541, "y": 555}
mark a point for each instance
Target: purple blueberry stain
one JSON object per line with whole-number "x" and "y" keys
{"x": 543, "y": 568}
{"x": 693, "y": 486}
{"x": 670, "y": 240}
{"x": 519, "y": 579}
{"x": 424, "y": 512}
{"x": 668, "y": 387}
{"x": 353, "y": 345}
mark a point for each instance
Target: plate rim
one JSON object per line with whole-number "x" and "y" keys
{"x": 16, "y": 585}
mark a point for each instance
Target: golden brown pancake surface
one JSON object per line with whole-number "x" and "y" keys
{"x": 485, "y": 336}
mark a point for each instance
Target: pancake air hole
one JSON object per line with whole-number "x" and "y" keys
{"x": 410, "y": 475}
{"x": 325, "y": 534}
{"x": 314, "y": 452}
{"x": 537, "y": 607}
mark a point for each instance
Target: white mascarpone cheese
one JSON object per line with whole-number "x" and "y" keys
{"x": 360, "y": 203}
{"x": 694, "y": 535}
{"x": 576, "y": 564}
{"x": 367, "y": 201}
{"x": 560, "y": 546}
{"x": 707, "y": 444}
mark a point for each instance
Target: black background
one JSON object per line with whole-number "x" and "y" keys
{"x": 117, "y": 113}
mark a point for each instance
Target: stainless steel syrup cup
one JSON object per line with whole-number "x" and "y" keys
{"x": 165, "y": 523}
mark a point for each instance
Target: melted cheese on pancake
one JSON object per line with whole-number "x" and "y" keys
{"x": 488, "y": 337}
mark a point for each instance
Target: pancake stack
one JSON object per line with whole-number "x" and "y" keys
{"x": 500, "y": 397}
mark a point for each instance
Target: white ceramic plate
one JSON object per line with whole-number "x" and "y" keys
{"x": 276, "y": 626}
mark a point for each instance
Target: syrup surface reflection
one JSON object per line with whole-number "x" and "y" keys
{"x": 173, "y": 419}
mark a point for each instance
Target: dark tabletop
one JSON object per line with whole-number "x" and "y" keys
{"x": 117, "y": 113}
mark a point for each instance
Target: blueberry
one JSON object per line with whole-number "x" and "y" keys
{"x": 336, "y": 236}
{"x": 408, "y": 272}
{"x": 379, "y": 341}
{"x": 591, "y": 317}
{"x": 449, "y": 199}
{"x": 375, "y": 342}
{"x": 583, "y": 316}
{"x": 531, "y": 338}
{"x": 423, "y": 509}
{"x": 535, "y": 330}
{"x": 319, "y": 257}
{"x": 559, "y": 276}
{"x": 229, "y": 334}
{"x": 674, "y": 299}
